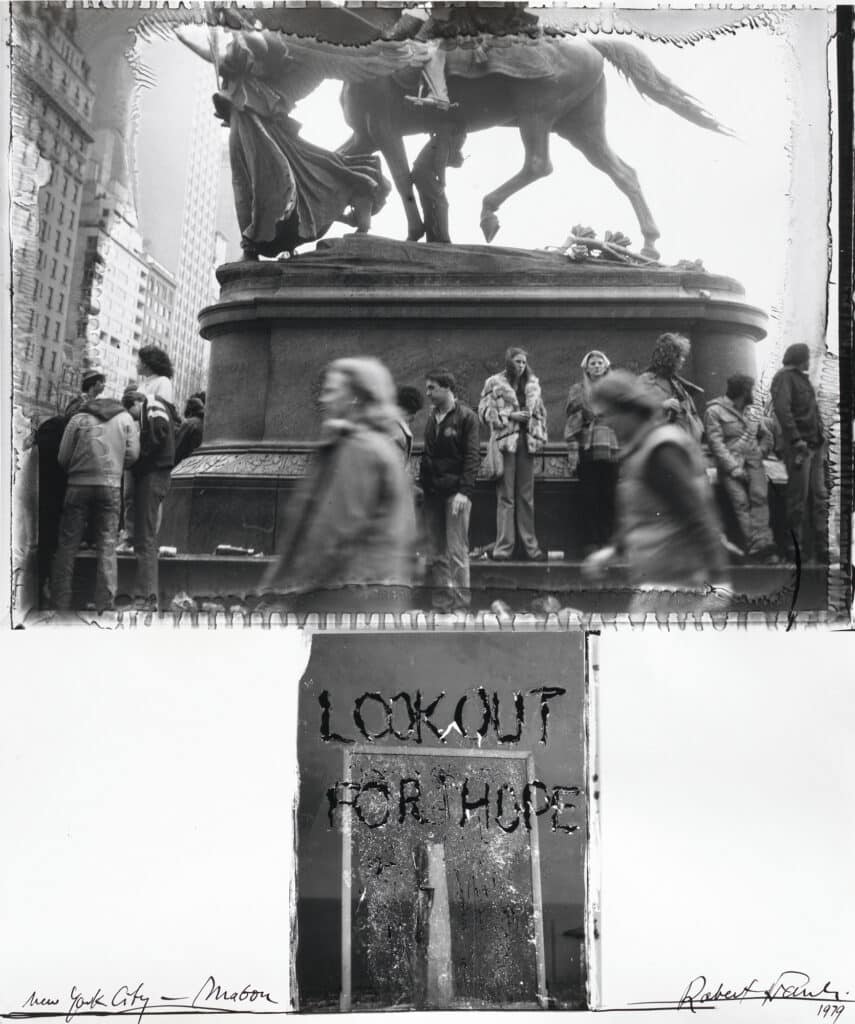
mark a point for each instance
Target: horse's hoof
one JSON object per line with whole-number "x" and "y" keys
{"x": 416, "y": 234}
{"x": 650, "y": 252}
{"x": 490, "y": 226}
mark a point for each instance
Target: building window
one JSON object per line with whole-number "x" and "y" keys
{"x": 50, "y": 298}
{"x": 65, "y": 274}
{"x": 41, "y": 357}
{"x": 60, "y": 306}
{"x": 53, "y": 268}
{"x": 30, "y": 347}
{"x": 38, "y": 388}
{"x": 68, "y": 247}
{"x": 49, "y": 395}
{"x": 41, "y": 260}
{"x": 56, "y": 328}
{"x": 53, "y": 361}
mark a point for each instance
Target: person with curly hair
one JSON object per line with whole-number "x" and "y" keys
{"x": 670, "y": 354}
{"x": 512, "y": 406}
{"x": 155, "y": 371}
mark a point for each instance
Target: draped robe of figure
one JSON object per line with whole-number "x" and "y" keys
{"x": 287, "y": 191}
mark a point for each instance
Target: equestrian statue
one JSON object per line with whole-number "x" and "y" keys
{"x": 463, "y": 69}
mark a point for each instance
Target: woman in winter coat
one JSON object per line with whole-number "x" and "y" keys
{"x": 348, "y": 546}
{"x": 512, "y": 407}
{"x": 592, "y": 453}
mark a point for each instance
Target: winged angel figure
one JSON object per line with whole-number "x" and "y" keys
{"x": 287, "y": 190}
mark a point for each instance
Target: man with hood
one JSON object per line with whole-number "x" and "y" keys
{"x": 100, "y": 441}
{"x": 52, "y": 478}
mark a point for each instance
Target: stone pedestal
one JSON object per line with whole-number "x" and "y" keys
{"x": 416, "y": 307}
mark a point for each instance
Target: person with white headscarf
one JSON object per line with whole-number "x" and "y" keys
{"x": 592, "y": 454}
{"x": 348, "y": 545}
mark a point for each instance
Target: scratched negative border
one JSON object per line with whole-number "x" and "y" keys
{"x": 803, "y": 55}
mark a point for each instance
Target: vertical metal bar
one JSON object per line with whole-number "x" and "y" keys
{"x": 346, "y": 884}
{"x": 537, "y": 900}
{"x": 591, "y": 946}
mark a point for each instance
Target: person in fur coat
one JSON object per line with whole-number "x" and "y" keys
{"x": 512, "y": 407}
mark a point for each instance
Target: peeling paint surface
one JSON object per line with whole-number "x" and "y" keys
{"x": 488, "y": 872}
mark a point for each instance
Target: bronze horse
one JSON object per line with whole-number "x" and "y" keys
{"x": 571, "y": 103}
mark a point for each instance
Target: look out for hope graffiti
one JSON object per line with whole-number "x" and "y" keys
{"x": 417, "y": 789}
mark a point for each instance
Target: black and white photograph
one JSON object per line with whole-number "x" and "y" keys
{"x": 432, "y": 311}
{"x": 442, "y": 822}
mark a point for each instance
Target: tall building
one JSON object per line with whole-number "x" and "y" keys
{"x": 158, "y": 304}
{"x": 52, "y": 106}
{"x": 124, "y": 296}
{"x": 198, "y": 256}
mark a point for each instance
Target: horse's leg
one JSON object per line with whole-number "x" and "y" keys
{"x": 392, "y": 148}
{"x": 357, "y": 144}
{"x": 585, "y": 128}
{"x": 535, "y": 136}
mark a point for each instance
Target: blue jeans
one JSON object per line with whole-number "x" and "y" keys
{"x": 85, "y": 502}
{"x": 149, "y": 491}
{"x": 448, "y": 552}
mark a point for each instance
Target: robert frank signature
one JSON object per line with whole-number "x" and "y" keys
{"x": 795, "y": 985}
{"x": 133, "y": 1001}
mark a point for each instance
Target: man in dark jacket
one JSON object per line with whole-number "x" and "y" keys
{"x": 98, "y": 444}
{"x": 447, "y": 475}
{"x": 157, "y": 421}
{"x": 804, "y": 453}
{"x": 189, "y": 435}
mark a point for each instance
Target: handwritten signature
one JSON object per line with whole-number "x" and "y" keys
{"x": 132, "y": 1000}
{"x": 794, "y": 985}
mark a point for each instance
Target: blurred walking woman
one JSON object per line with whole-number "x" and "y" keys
{"x": 592, "y": 453}
{"x": 348, "y": 546}
{"x": 512, "y": 407}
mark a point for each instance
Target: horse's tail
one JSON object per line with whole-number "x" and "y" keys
{"x": 639, "y": 69}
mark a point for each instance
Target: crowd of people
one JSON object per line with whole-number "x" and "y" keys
{"x": 108, "y": 464}
{"x": 633, "y": 441}
{"x": 362, "y": 530}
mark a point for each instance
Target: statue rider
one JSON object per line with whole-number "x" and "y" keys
{"x": 450, "y": 21}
